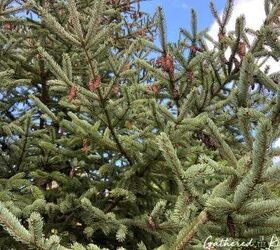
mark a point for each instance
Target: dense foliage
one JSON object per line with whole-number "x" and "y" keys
{"x": 110, "y": 141}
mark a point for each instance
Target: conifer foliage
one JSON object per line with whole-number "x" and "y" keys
{"x": 110, "y": 141}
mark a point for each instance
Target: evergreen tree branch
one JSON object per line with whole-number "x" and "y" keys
{"x": 25, "y": 141}
{"x": 103, "y": 105}
{"x": 186, "y": 234}
{"x": 12, "y": 225}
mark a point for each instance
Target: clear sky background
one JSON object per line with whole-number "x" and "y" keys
{"x": 177, "y": 13}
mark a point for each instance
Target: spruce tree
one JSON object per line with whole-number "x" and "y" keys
{"x": 109, "y": 140}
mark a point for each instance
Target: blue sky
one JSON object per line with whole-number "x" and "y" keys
{"x": 177, "y": 13}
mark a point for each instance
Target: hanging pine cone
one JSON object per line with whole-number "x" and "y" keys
{"x": 72, "y": 94}
{"x": 209, "y": 141}
{"x": 151, "y": 223}
{"x": 167, "y": 64}
{"x": 95, "y": 83}
{"x": 242, "y": 50}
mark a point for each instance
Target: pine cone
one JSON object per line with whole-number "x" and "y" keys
{"x": 72, "y": 94}
{"x": 242, "y": 50}
{"x": 94, "y": 84}
{"x": 151, "y": 222}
